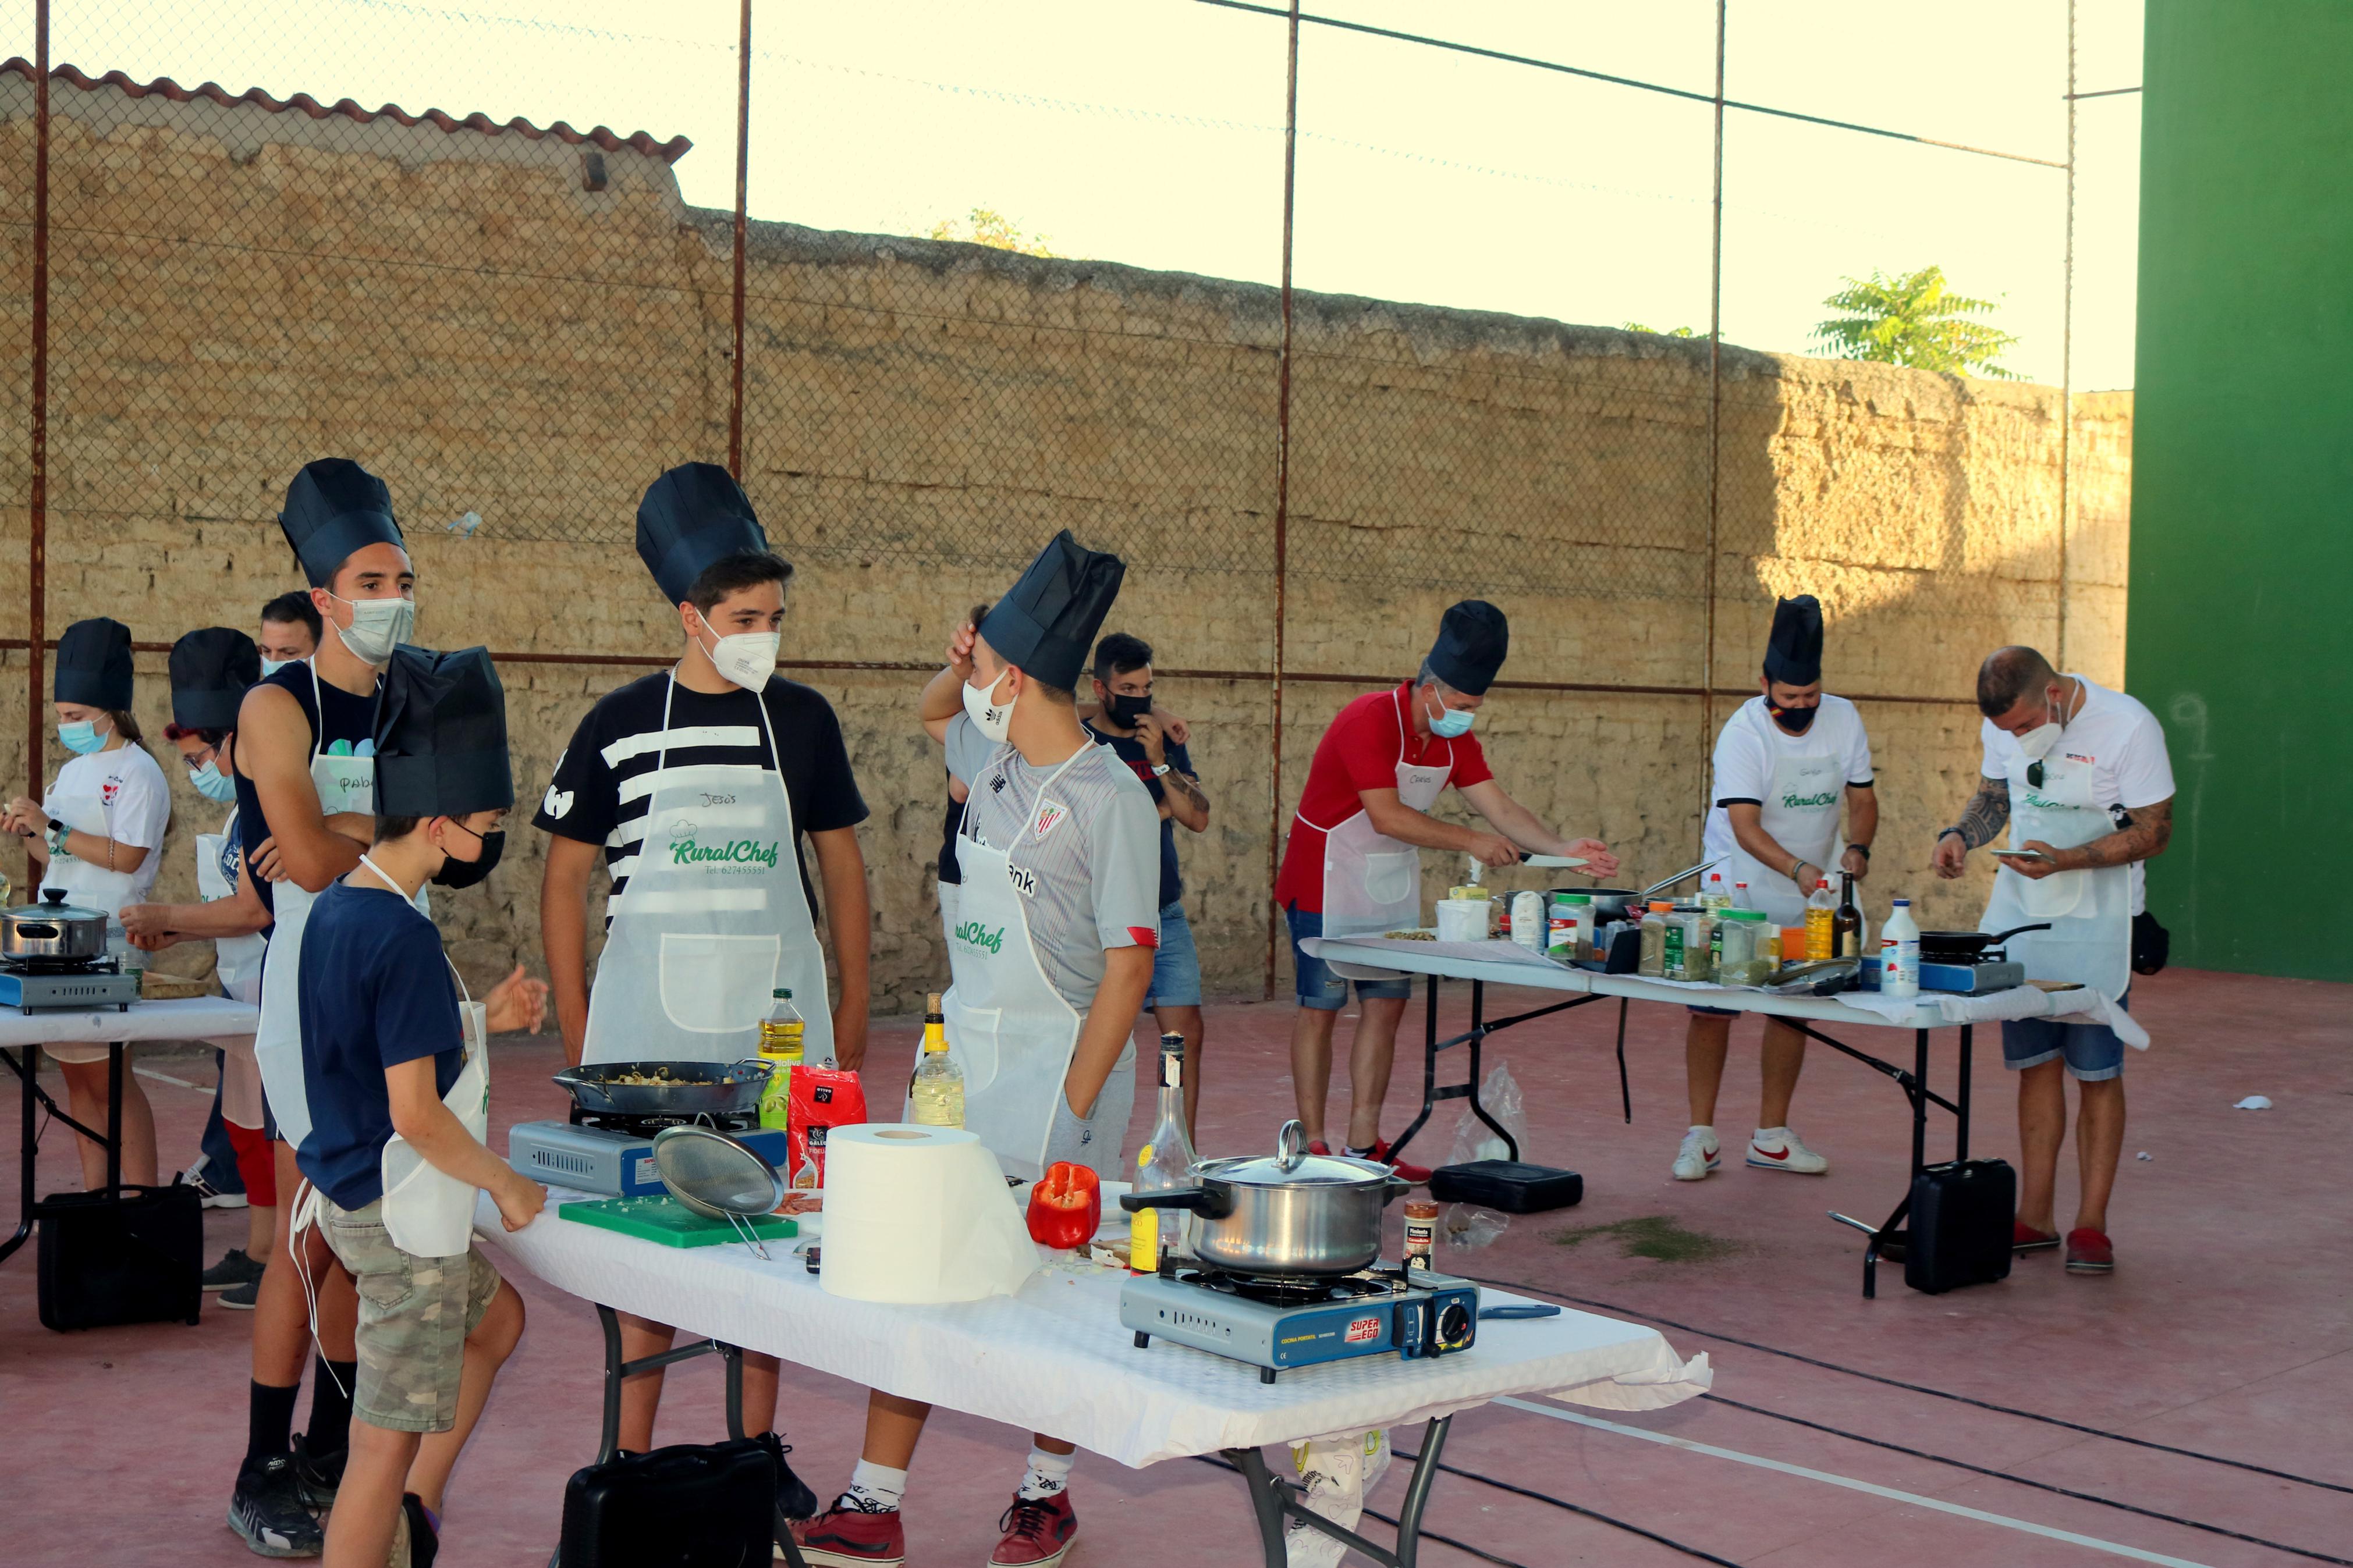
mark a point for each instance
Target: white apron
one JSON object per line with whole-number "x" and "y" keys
{"x": 712, "y": 921}
{"x": 1800, "y": 811}
{"x": 345, "y": 784}
{"x": 2090, "y": 940}
{"x": 87, "y": 886}
{"x": 428, "y": 1213}
{"x": 1373, "y": 882}
{"x": 1012, "y": 1033}
{"x": 237, "y": 959}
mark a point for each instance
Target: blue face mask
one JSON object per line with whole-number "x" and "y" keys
{"x": 1449, "y": 722}
{"x": 212, "y": 784}
{"x": 81, "y": 736}
{"x": 270, "y": 667}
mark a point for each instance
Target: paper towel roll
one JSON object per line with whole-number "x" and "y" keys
{"x": 919, "y": 1214}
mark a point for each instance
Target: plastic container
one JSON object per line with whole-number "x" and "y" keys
{"x": 1569, "y": 932}
{"x": 1740, "y": 896}
{"x": 1899, "y": 952}
{"x": 1462, "y": 920}
{"x": 1742, "y": 962}
{"x": 936, "y": 1091}
{"x": 1420, "y": 1232}
{"x": 781, "y": 1035}
{"x": 1718, "y": 894}
{"x": 1821, "y": 922}
{"x": 1528, "y": 920}
{"x": 1652, "y": 965}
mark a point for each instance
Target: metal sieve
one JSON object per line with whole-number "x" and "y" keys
{"x": 719, "y": 1177}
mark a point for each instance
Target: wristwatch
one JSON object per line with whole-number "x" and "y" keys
{"x": 1965, "y": 838}
{"x": 58, "y": 834}
{"x": 1865, "y": 849}
{"x": 1159, "y": 769}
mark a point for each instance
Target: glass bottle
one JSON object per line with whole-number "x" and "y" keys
{"x": 937, "y": 1089}
{"x": 1849, "y": 919}
{"x": 1163, "y": 1163}
{"x": 781, "y": 1033}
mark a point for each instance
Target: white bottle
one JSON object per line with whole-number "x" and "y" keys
{"x": 1717, "y": 896}
{"x": 1740, "y": 896}
{"x": 1899, "y": 952}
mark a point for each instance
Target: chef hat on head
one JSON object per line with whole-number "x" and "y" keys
{"x": 1793, "y": 653}
{"x": 93, "y": 664}
{"x": 441, "y": 735}
{"x": 211, "y": 668}
{"x": 691, "y": 518}
{"x": 1473, "y": 639}
{"x": 334, "y": 509}
{"x": 1046, "y": 624}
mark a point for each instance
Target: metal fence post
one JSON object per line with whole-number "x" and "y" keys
{"x": 742, "y": 172}
{"x": 1714, "y": 430}
{"x": 2067, "y": 350}
{"x": 1282, "y": 496}
{"x": 38, "y": 490}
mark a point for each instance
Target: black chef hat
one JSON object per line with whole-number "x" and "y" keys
{"x": 1046, "y": 624}
{"x": 335, "y": 509}
{"x": 693, "y": 517}
{"x": 211, "y": 668}
{"x": 441, "y": 735}
{"x": 1793, "y": 654}
{"x": 94, "y": 664}
{"x": 1473, "y": 639}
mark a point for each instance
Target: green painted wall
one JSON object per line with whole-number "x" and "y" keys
{"x": 2241, "y": 622}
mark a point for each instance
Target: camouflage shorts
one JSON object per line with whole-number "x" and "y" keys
{"x": 414, "y": 1315}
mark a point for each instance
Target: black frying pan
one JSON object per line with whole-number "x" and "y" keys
{"x": 1968, "y": 943}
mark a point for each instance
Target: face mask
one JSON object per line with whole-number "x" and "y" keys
{"x": 992, "y": 718}
{"x": 81, "y": 736}
{"x": 747, "y": 658}
{"x": 378, "y": 626}
{"x": 1448, "y": 722}
{"x": 2037, "y": 742}
{"x": 212, "y": 784}
{"x": 1123, "y": 710}
{"x": 457, "y": 873}
{"x": 1797, "y": 721}
{"x": 270, "y": 667}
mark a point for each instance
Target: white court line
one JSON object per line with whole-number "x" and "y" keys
{"x": 167, "y": 1077}
{"x": 1914, "y": 1499}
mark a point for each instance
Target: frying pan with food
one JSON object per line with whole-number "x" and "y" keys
{"x": 666, "y": 1088}
{"x": 1966, "y": 945}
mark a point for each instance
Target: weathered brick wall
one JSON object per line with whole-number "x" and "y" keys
{"x": 242, "y": 289}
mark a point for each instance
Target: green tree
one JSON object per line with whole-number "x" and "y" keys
{"x": 986, "y": 225}
{"x": 1916, "y": 319}
{"x": 1674, "y": 332}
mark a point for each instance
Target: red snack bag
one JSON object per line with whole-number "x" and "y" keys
{"x": 1065, "y": 1206}
{"x": 822, "y": 1100}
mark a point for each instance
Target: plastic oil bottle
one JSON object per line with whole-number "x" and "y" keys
{"x": 781, "y": 1035}
{"x": 937, "y": 1091}
{"x": 1899, "y": 952}
{"x": 1821, "y": 922}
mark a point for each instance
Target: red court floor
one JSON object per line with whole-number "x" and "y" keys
{"x": 2227, "y": 1328}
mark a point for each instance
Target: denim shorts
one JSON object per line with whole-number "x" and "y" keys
{"x": 1319, "y": 989}
{"x": 2092, "y": 1051}
{"x": 1176, "y": 962}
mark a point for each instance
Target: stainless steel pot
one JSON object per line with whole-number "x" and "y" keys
{"x": 1291, "y": 1213}
{"x": 52, "y": 931}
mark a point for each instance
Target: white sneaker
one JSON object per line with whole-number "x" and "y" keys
{"x": 1698, "y": 1156}
{"x": 1778, "y": 1149}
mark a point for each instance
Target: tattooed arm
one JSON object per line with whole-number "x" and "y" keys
{"x": 1981, "y": 822}
{"x": 1194, "y": 809}
{"x": 2150, "y": 831}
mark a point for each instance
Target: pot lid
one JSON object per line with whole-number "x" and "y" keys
{"x": 1292, "y": 1167}
{"x": 56, "y": 909}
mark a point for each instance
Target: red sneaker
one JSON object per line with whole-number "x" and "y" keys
{"x": 1319, "y": 1147}
{"x": 2024, "y": 1238}
{"x": 2090, "y": 1252}
{"x": 849, "y": 1537}
{"x": 1039, "y": 1532}
{"x": 1418, "y": 1174}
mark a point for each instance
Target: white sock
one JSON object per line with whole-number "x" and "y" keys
{"x": 875, "y": 1489}
{"x": 1771, "y": 1134}
{"x": 1703, "y": 1127}
{"x": 1049, "y": 1475}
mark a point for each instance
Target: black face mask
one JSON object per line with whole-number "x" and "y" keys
{"x": 1123, "y": 710}
{"x": 457, "y": 873}
{"x": 1797, "y": 721}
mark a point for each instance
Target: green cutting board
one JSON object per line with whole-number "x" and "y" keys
{"x": 669, "y": 1222}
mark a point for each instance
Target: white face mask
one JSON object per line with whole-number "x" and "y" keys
{"x": 270, "y": 667}
{"x": 747, "y": 658}
{"x": 378, "y": 626}
{"x": 994, "y": 720}
{"x": 2037, "y": 742}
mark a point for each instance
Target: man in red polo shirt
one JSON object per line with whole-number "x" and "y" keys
{"x": 1353, "y": 864}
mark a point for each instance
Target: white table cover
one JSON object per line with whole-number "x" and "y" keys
{"x": 182, "y": 1018}
{"x": 1054, "y": 1358}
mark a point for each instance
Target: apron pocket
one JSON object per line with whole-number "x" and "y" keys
{"x": 1389, "y": 879}
{"x": 972, "y": 1032}
{"x": 2053, "y": 896}
{"x": 718, "y": 984}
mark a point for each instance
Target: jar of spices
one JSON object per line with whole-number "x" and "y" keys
{"x": 1420, "y": 1232}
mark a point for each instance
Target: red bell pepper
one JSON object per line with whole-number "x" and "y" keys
{"x": 1065, "y": 1206}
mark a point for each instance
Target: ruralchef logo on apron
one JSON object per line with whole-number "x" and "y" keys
{"x": 979, "y": 936}
{"x": 1802, "y": 802}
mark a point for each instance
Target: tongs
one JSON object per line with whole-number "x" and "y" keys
{"x": 1665, "y": 882}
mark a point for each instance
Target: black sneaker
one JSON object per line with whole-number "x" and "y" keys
{"x": 318, "y": 1476}
{"x": 207, "y": 1195}
{"x": 234, "y": 1268}
{"x": 267, "y": 1512}
{"x": 794, "y": 1499}
{"x": 423, "y": 1541}
{"x": 241, "y": 1298}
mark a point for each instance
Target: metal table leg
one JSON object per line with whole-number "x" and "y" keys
{"x": 24, "y": 1067}
{"x": 1274, "y": 1501}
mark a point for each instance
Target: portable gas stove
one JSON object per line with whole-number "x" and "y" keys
{"x": 1274, "y": 1323}
{"x": 1979, "y": 977}
{"x": 36, "y": 986}
{"x": 615, "y": 1154}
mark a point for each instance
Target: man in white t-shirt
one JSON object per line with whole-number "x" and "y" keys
{"x": 1786, "y": 761}
{"x": 2081, "y": 774}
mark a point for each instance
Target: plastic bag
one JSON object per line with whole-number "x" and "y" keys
{"x": 1469, "y": 1225}
{"x": 1335, "y": 1474}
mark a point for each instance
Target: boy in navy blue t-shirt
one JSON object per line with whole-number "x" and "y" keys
{"x": 393, "y": 1079}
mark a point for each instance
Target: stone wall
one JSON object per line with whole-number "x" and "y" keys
{"x": 236, "y": 289}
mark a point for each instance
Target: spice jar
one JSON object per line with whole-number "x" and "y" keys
{"x": 1420, "y": 1232}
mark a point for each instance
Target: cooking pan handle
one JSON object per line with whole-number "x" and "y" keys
{"x": 1290, "y": 1145}
{"x": 1209, "y": 1203}
{"x": 1393, "y": 1189}
{"x": 1999, "y": 937}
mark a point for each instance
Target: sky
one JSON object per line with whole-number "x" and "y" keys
{"x": 1150, "y": 131}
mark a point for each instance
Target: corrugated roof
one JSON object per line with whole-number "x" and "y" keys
{"x": 668, "y": 151}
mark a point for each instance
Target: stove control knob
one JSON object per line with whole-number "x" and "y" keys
{"x": 1453, "y": 1325}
